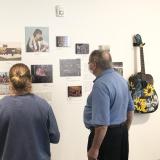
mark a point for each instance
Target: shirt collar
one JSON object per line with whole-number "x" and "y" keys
{"x": 103, "y": 73}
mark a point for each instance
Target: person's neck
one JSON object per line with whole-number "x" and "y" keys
{"x": 18, "y": 93}
{"x": 98, "y": 72}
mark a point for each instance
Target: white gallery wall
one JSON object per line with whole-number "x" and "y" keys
{"x": 96, "y": 22}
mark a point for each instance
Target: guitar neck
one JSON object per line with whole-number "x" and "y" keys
{"x": 142, "y": 60}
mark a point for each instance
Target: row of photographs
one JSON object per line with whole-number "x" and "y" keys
{"x": 44, "y": 74}
{"x": 37, "y": 40}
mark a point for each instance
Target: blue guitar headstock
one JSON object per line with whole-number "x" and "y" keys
{"x": 137, "y": 41}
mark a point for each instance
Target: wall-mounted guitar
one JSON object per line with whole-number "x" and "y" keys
{"x": 141, "y": 85}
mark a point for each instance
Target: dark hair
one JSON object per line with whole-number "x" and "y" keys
{"x": 20, "y": 77}
{"x": 37, "y": 31}
{"x": 98, "y": 56}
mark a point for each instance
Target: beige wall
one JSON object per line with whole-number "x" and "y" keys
{"x": 95, "y": 22}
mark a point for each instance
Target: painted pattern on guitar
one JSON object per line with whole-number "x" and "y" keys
{"x": 141, "y": 85}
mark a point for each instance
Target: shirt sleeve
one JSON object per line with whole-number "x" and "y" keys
{"x": 100, "y": 106}
{"x": 53, "y": 130}
{"x": 130, "y": 103}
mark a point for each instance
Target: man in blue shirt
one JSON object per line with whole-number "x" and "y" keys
{"x": 108, "y": 112}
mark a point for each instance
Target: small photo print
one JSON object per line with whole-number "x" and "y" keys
{"x": 62, "y": 41}
{"x": 41, "y": 73}
{"x": 82, "y": 48}
{"x": 104, "y": 48}
{"x": 70, "y": 67}
{"x": 4, "y": 79}
{"x": 74, "y": 91}
{"x": 118, "y": 66}
{"x": 37, "y": 39}
{"x": 10, "y": 51}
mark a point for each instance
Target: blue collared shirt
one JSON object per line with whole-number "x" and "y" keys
{"x": 109, "y": 100}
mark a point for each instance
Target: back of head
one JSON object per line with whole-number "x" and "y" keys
{"x": 20, "y": 78}
{"x": 102, "y": 58}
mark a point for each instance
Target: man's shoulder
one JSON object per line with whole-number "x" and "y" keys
{"x": 109, "y": 80}
{"x": 101, "y": 83}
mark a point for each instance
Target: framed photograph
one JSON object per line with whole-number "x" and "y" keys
{"x": 62, "y": 41}
{"x": 70, "y": 67}
{"x": 74, "y": 91}
{"x": 118, "y": 66}
{"x": 104, "y": 48}
{"x": 82, "y": 48}
{"x": 10, "y": 51}
{"x": 41, "y": 73}
{"x": 37, "y": 39}
{"x": 4, "y": 80}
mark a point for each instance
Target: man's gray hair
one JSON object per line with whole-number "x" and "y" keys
{"x": 102, "y": 58}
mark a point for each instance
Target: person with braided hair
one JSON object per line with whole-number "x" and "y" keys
{"x": 27, "y": 122}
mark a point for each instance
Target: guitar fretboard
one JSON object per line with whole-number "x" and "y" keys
{"x": 142, "y": 60}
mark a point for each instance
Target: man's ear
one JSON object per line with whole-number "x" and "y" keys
{"x": 94, "y": 66}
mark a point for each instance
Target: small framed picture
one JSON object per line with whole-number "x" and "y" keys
{"x": 74, "y": 91}
{"x": 104, "y": 48}
{"x": 70, "y": 67}
{"x": 4, "y": 80}
{"x": 118, "y": 66}
{"x": 10, "y": 51}
{"x": 62, "y": 41}
{"x": 82, "y": 48}
{"x": 41, "y": 73}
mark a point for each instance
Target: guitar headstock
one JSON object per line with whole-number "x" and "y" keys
{"x": 137, "y": 41}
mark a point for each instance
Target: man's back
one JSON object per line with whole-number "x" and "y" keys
{"x": 116, "y": 89}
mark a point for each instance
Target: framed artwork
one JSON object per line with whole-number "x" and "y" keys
{"x": 10, "y": 51}
{"x": 74, "y": 91}
{"x": 37, "y": 39}
{"x": 82, "y": 48}
{"x": 104, "y": 47}
{"x": 70, "y": 67}
{"x": 41, "y": 73}
{"x": 4, "y": 80}
{"x": 62, "y": 41}
{"x": 118, "y": 66}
